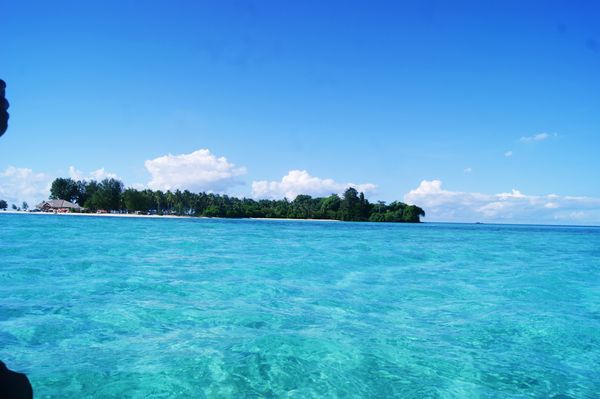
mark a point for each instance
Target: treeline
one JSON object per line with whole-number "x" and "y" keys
{"x": 110, "y": 195}
{"x": 4, "y": 206}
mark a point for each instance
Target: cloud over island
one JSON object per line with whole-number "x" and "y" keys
{"x": 98, "y": 174}
{"x": 301, "y": 182}
{"x": 196, "y": 171}
{"x": 23, "y": 184}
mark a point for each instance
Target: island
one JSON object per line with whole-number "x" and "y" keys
{"x": 109, "y": 195}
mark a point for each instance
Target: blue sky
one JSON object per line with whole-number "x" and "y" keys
{"x": 451, "y": 104}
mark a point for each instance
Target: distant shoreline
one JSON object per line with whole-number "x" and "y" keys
{"x": 132, "y": 215}
{"x": 125, "y": 215}
{"x": 288, "y": 219}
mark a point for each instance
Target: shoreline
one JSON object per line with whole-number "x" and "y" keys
{"x": 125, "y": 215}
{"x": 122, "y": 215}
{"x": 132, "y": 215}
{"x": 292, "y": 220}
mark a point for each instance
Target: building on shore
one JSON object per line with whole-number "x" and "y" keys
{"x": 58, "y": 205}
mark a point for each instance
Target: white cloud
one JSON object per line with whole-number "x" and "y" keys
{"x": 513, "y": 194}
{"x": 508, "y": 154}
{"x": 101, "y": 174}
{"x": 468, "y": 170}
{"x": 301, "y": 182}
{"x": 75, "y": 174}
{"x": 197, "y": 171}
{"x": 98, "y": 174}
{"x": 508, "y": 207}
{"x": 536, "y": 137}
{"x": 23, "y": 184}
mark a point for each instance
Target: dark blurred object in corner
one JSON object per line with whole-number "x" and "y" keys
{"x": 3, "y": 108}
{"x": 14, "y": 385}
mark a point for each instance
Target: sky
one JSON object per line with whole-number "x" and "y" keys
{"x": 475, "y": 111}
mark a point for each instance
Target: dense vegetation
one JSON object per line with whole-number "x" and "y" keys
{"x": 110, "y": 195}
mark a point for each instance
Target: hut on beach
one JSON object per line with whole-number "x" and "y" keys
{"x": 58, "y": 205}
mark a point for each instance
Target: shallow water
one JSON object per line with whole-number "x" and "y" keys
{"x": 145, "y": 308}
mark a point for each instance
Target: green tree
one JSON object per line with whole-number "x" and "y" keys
{"x": 25, "y": 205}
{"x": 301, "y": 207}
{"x": 3, "y": 204}
{"x": 378, "y": 211}
{"x": 411, "y": 214}
{"x": 330, "y": 207}
{"x": 212, "y": 211}
{"x": 350, "y": 206}
{"x": 83, "y": 193}
{"x": 160, "y": 201}
{"x": 91, "y": 188}
{"x": 364, "y": 207}
{"x": 107, "y": 195}
{"x": 65, "y": 189}
{"x": 170, "y": 201}
{"x": 134, "y": 200}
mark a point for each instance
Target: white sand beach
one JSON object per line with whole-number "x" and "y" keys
{"x": 121, "y": 215}
{"x": 133, "y": 215}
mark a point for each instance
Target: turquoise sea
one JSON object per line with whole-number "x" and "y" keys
{"x": 98, "y": 307}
